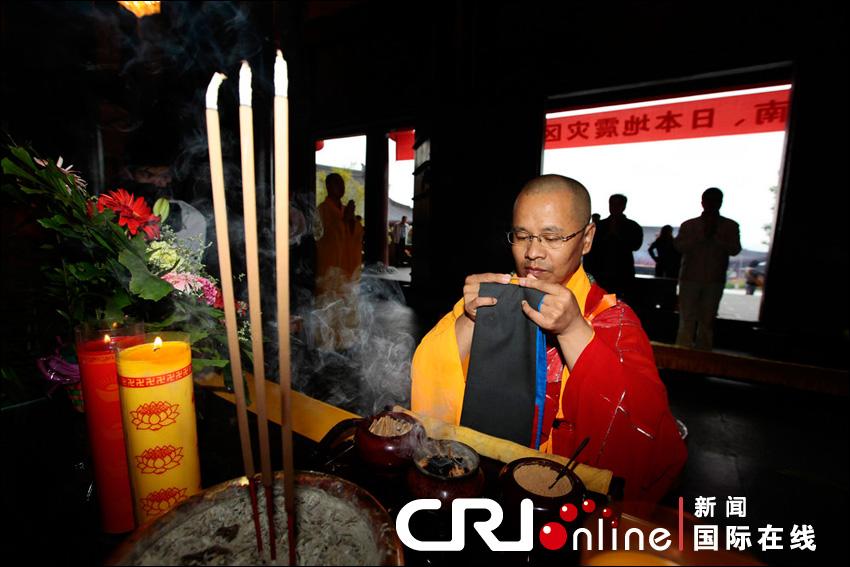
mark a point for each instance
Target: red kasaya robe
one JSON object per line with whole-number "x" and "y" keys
{"x": 612, "y": 395}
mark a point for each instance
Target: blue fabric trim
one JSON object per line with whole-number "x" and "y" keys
{"x": 540, "y": 384}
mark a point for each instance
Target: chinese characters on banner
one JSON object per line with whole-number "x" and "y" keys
{"x": 740, "y": 537}
{"x": 735, "y": 114}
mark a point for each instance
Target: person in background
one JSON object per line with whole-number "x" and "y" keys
{"x": 616, "y": 238}
{"x": 663, "y": 251}
{"x": 590, "y": 261}
{"x": 352, "y": 259}
{"x": 754, "y": 277}
{"x": 705, "y": 242}
{"x": 330, "y": 247}
{"x": 400, "y": 240}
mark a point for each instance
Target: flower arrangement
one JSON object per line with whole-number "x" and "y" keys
{"x": 117, "y": 258}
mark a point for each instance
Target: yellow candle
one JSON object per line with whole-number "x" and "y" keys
{"x": 158, "y": 412}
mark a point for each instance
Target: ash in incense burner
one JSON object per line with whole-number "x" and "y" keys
{"x": 339, "y": 523}
{"x": 445, "y": 470}
{"x": 532, "y": 477}
{"x": 446, "y": 466}
{"x": 387, "y": 440}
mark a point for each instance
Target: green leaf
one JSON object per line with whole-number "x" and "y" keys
{"x": 11, "y": 168}
{"x": 161, "y": 209}
{"x": 84, "y": 271}
{"x": 115, "y": 305}
{"x": 142, "y": 282}
{"x": 199, "y": 364}
{"x": 60, "y": 225}
{"x": 138, "y": 245}
{"x": 196, "y": 335}
{"x": 53, "y": 222}
{"x": 30, "y": 191}
{"x": 169, "y": 321}
{"x": 23, "y": 155}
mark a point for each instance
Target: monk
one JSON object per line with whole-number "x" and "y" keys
{"x": 602, "y": 381}
{"x": 331, "y": 246}
{"x": 352, "y": 257}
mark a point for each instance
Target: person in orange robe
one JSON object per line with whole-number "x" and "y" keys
{"x": 352, "y": 258}
{"x": 602, "y": 381}
{"x": 330, "y": 247}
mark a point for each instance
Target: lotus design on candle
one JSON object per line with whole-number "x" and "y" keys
{"x": 161, "y": 501}
{"x": 157, "y": 460}
{"x": 154, "y": 416}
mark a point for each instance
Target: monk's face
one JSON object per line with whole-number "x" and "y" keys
{"x": 336, "y": 188}
{"x": 549, "y": 213}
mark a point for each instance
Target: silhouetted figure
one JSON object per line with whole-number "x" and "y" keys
{"x": 589, "y": 261}
{"x": 616, "y": 238}
{"x": 337, "y": 271}
{"x": 352, "y": 259}
{"x": 399, "y": 236}
{"x": 754, "y": 277}
{"x": 663, "y": 251}
{"x": 330, "y": 247}
{"x": 706, "y": 242}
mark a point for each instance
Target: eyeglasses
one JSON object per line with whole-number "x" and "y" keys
{"x": 547, "y": 239}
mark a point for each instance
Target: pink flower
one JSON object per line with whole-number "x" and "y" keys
{"x": 196, "y": 285}
{"x": 212, "y": 295}
{"x": 182, "y": 282}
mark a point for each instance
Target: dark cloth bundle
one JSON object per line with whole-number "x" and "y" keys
{"x": 506, "y": 378}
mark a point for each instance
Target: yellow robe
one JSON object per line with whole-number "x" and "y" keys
{"x": 330, "y": 247}
{"x": 353, "y": 251}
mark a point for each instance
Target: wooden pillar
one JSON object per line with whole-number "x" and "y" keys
{"x": 377, "y": 198}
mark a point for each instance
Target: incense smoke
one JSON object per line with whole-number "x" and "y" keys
{"x": 356, "y": 348}
{"x": 353, "y": 351}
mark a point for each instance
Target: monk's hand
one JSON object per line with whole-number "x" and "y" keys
{"x": 471, "y": 288}
{"x": 560, "y": 315}
{"x": 559, "y": 311}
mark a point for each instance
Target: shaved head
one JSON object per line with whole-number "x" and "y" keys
{"x": 552, "y": 183}
{"x": 553, "y": 209}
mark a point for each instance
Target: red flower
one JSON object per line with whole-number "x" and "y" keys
{"x": 133, "y": 212}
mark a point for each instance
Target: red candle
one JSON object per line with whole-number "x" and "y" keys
{"x": 99, "y": 378}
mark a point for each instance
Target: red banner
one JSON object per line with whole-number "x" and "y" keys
{"x": 724, "y": 116}
{"x": 404, "y": 140}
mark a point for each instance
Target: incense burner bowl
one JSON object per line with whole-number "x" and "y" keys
{"x": 215, "y": 527}
{"x": 545, "y": 506}
{"x": 445, "y": 470}
{"x": 391, "y": 453}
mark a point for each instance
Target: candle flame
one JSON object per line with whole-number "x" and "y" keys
{"x": 157, "y": 343}
{"x": 107, "y": 339}
{"x": 281, "y": 75}
{"x": 212, "y": 90}
{"x": 245, "y": 84}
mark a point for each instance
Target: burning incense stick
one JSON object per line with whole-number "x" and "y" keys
{"x": 249, "y": 198}
{"x": 281, "y": 187}
{"x": 223, "y": 241}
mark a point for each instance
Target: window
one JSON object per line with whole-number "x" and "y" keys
{"x": 662, "y": 154}
{"x": 347, "y": 157}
